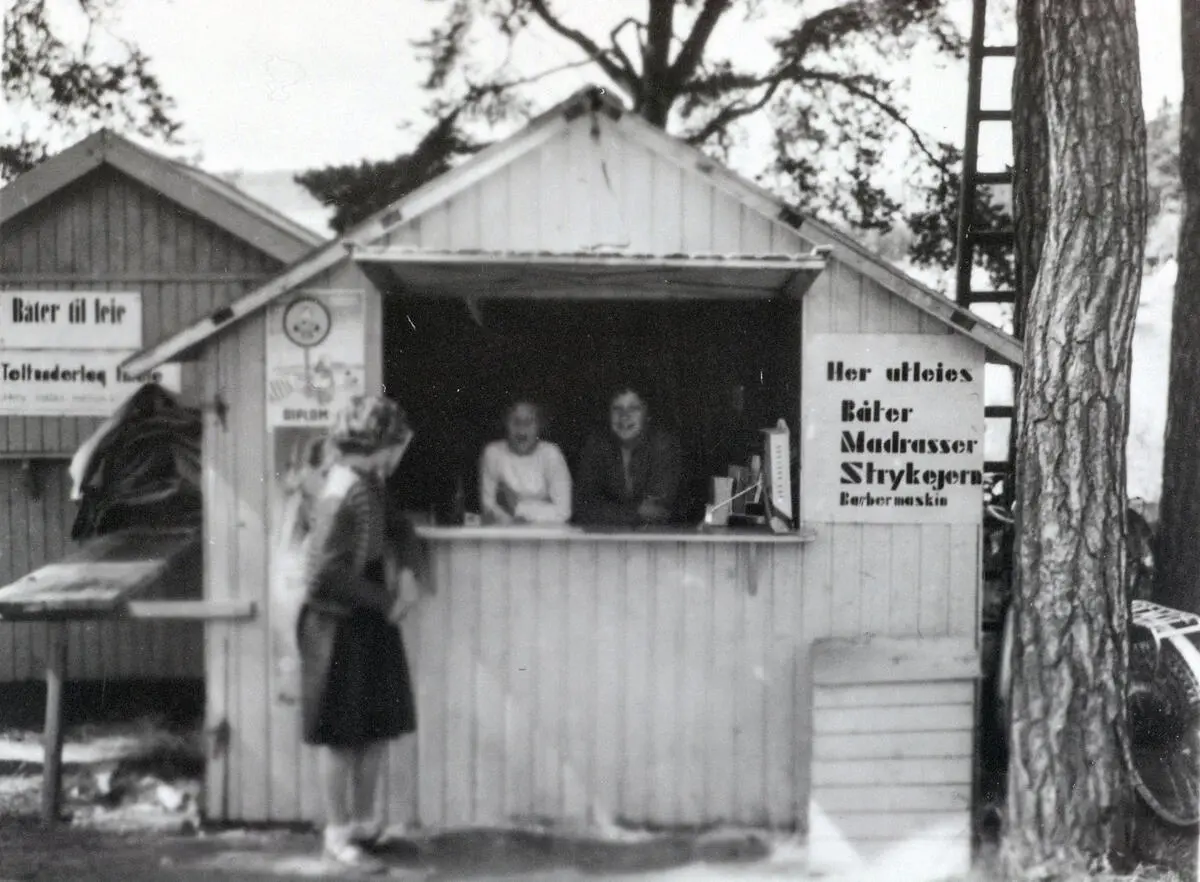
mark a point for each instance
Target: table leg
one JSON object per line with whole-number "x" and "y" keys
{"x": 52, "y": 735}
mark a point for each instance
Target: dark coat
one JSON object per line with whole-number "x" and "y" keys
{"x": 355, "y": 685}
{"x": 602, "y": 496}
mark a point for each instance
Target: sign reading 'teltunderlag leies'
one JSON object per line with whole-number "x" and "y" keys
{"x": 61, "y": 352}
{"x": 894, "y": 429}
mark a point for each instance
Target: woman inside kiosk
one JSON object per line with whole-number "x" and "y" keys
{"x": 629, "y": 476}
{"x": 524, "y": 479}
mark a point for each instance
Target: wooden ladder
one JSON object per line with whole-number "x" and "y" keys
{"x": 969, "y": 234}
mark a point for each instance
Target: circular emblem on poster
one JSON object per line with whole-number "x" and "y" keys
{"x": 306, "y": 322}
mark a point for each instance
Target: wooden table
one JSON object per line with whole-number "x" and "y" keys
{"x": 105, "y": 578}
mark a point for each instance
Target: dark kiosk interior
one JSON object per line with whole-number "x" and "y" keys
{"x": 715, "y": 371}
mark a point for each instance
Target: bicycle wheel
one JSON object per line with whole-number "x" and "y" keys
{"x": 1164, "y": 725}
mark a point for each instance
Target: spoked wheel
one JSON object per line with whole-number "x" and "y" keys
{"x": 1164, "y": 723}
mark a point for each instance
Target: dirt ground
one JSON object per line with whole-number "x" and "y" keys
{"x": 131, "y": 789}
{"x": 133, "y": 765}
{"x": 29, "y": 852}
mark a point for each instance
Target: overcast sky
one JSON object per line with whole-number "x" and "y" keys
{"x": 293, "y": 84}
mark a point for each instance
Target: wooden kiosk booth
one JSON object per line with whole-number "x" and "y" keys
{"x": 821, "y": 679}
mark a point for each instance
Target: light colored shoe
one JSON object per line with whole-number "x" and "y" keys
{"x": 340, "y": 849}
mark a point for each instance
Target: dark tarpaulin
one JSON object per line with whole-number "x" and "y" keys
{"x": 141, "y": 468}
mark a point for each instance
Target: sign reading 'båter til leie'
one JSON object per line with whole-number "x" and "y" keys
{"x": 61, "y": 351}
{"x": 67, "y": 320}
{"x": 894, "y": 429}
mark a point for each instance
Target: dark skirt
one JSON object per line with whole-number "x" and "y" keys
{"x": 356, "y": 687}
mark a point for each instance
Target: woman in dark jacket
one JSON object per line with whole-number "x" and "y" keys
{"x": 356, "y": 692}
{"x": 628, "y": 476}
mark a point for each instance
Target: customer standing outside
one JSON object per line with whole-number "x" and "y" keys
{"x": 356, "y": 692}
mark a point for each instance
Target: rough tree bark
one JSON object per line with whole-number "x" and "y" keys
{"x": 1031, "y": 176}
{"x": 1177, "y": 571}
{"x": 1068, "y": 784}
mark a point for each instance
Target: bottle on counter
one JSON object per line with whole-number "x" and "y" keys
{"x": 458, "y": 504}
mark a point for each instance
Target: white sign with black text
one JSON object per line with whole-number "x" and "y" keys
{"x": 47, "y": 382}
{"x": 61, "y": 351}
{"x": 893, "y": 429}
{"x": 70, "y": 320}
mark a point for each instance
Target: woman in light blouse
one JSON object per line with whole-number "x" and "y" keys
{"x": 523, "y": 479}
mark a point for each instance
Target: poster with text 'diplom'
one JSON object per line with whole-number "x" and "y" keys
{"x": 893, "y": 429}
{"x": 316, "y": 356}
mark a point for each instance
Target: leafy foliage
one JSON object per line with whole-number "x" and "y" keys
{"x": 934, "y": 225}
{"x": 1162, "y": 160}
{"x": 74, "y": 86}
{"x": 1164, "y": 184}
{"x": 358, "y": 191}
{"x": 827, "y": 87}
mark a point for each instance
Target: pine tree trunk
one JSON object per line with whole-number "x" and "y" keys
{"x": 1068, "y": 784}
{"x": 1177, "y": 571}
{"x": 1031, "y": 177}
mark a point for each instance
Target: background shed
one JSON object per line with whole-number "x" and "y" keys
{"x": 108, "y": 215}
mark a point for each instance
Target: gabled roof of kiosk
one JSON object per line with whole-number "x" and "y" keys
{"x": 204, "y": 194}
{"x": 488, "y": 162}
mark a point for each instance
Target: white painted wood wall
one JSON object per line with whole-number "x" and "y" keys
{"x": 910, "y": 581}
{"x": 893, "y": 755}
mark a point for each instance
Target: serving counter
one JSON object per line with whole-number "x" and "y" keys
{"x": 536, "y": 532}
{"x": 648, "y": 676}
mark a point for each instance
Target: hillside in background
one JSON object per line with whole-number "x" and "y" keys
{"x": 279, "y": 190}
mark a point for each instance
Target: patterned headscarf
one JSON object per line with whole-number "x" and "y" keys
{"x": 369, "y": 423}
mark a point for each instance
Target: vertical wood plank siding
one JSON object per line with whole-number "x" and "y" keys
{"x": 104, "y": 232}
{"x": 241, "y": 769}
{"x": 542, "y": 696}
{"x": 650, "y": 682}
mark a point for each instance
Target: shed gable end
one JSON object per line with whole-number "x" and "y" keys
{"x": 591, "y": 186}
{"x": 108, "y": 224}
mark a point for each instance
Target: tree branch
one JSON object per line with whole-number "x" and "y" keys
{"x": 813, "y": 31}
{"x": 502, "y": 86}
{"x": 689, "y": 56}
{"x": 622, "y": 57}
{"x": 889, "y": 109}
{"x": 659, "y": 32}
{"x": 820, "y": 26}
{"x": 625, "y": 77}
{"x": 734, "y": 112}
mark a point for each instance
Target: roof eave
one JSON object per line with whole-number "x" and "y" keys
{"x": 366, "y": 232}
{"x": 542, "y": 128}
{"x": 48, "y": 177}
{"x": 260, "y": 226}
